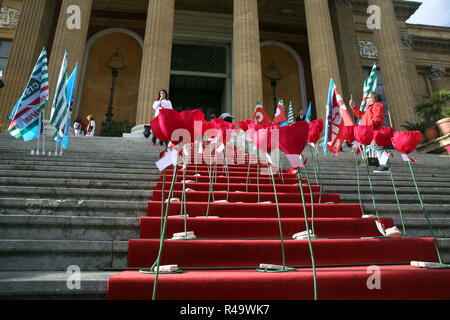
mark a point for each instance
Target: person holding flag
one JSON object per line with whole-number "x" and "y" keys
{"x": 374, "y": 115}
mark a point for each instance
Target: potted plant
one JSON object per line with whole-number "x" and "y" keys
{"x": 444, "y": 124}
{"x": 431, "y": 112}
{"x": 417, "y": 126}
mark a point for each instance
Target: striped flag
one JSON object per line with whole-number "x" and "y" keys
{"x": 60, "y": 112}
{"x": 71, "y": 85}
{"x": 26, "y": 113}
{"x": 369, "y": 85}
{"x": 337, "y": 117}
{"x": 290, "y": 114}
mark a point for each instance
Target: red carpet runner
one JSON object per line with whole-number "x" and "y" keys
{"x": 238, "y": 235}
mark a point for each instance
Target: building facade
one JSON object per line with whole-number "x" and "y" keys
{"x": 222, "y": 55}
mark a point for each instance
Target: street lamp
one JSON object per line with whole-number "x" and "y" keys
{"x": 273, "y": 74}
{"x": 115, "y": 64}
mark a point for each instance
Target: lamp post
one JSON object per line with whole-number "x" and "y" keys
{"x": 115, "y": 64}
{"x": 273, "y": 74}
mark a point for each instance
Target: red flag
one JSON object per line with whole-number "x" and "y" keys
{"x": 260, "y": 116}
{"x": 279, "y": 114}
{"x": 339, "y": 117}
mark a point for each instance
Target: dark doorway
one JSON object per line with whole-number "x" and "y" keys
{"x": 197, "y": 92}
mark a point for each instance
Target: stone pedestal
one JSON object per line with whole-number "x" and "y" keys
{"x": 32, "y": 35}
{"x": 155, "y": 70}
{"x": 246, "y": 59}
{"x": 322, "y": 50}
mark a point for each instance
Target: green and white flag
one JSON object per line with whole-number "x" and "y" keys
{"x": 369, "y": 85}
{"x": 290, "y": 114}
{"x": 60, "y": 112}
{"x": 26, "y": 113}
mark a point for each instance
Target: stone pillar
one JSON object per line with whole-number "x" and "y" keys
{"x": 33, "y": 32}
{"x": 394, "y": 66}
{"x": 407, "y": 44}
{"x": 352, "y": 76}
{"x": 246, "y": 59}
{"x": 322, "y": 51}
{"x": 155, "y": 70}
{"x": 435, "y": 74}
{"x": 71, "y": 32}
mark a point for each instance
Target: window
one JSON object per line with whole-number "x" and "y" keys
{"x": 5, "y": 48}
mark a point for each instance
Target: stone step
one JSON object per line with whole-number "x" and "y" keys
{"x": 40, "y": 192}
{"x": 91, "y": 208}
{"x": 58, "y": 255}
{"x": 51, "y": 255}
{"x": 68, "y": 228}
{"x": 49, "y": 285}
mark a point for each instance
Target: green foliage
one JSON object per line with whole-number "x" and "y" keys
{"x": 446, "y": 112}
{"x": 415, "y": 126}
{"x": 432, "y": 110}
{"x": 116, "y": 128}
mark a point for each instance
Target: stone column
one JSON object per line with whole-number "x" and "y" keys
{"x": 71, "y": 32}
{"x": 407, "y": 44}
{"x": 33, "y": 32}
{"x": 155, "y": 70}
{"x": 394, "y": 66}
{"x": 348, "y": 52}
{"x": 246, "y": 58}
{"x": 435, "y": 74}
{"x": 322, "y": 51}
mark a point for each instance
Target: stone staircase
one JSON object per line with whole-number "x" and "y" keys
{"x": 81, "y": 208}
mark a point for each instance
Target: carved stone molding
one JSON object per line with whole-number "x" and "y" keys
{"x": 435, "y": 73}
{"x": 9, "y": 18}
{"x": 407, "y": 41}
{"x": 367, "y": 49}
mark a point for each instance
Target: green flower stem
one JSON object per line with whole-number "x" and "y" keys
{"x": 248, "y": 171}
{"x": 210, "y": 182}
{"x": 279, "y": 217}
{"x": 396, "y": 199}
{"x": 257, "y": 172}
{"x": 314, "y": 162}
{"x": 307, "y": 231}
{"x": 371, "y": 186}
{"x": 425, "y": 212}
{"x": 162, "y": 199}
{"x": 312, "y": 203}
{"x": 320, "y": 174}
{"x": 161, "y": 240}
{"x": 359, "y": 184}
{"x": 227, "y": 172}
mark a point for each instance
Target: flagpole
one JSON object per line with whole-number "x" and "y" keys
{"x": 39, "y": 134}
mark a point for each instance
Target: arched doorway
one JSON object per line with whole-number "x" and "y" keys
{"x": 96, "y": 78}
{"x": 289, "y": 67}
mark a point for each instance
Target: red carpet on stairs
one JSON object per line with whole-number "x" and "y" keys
{"x": 239, "y": 234}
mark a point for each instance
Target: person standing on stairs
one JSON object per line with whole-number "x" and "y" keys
{"x": 90, "y": 131}
{"x": 374, "y": 115}
{"x": 162, "y": 102}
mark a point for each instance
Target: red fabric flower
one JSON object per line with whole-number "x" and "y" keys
{"x": 349, "y": 133}
{"x": 189, "y": 118}
{"x": 261, "y": 136}
{"x": 293, "y": 137}
{"x": 406, "y": 141}
{"x": 383, "y": 136}
{"x": 364, "y": 134}
{"x": 166, "y": 123}
{"x": 315, "y": 128}
{"x": 243, "y": 124}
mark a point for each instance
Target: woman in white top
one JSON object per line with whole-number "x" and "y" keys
{"x": 161, "y": 102}
{"x": 91, "y": 126}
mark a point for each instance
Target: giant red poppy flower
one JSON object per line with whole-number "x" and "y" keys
{"x": 406, "y": 141}
{"x": 261, "y": 135}
{"x": 349, "y": 133}
{"x": 189, "y": 117}
{"x": 164, "y": 125}
{"x": 383, "y": 136}
{"x": 243, "y": 124}
{"x": 364, "y": 134}
{"x": 293, "y": 137}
